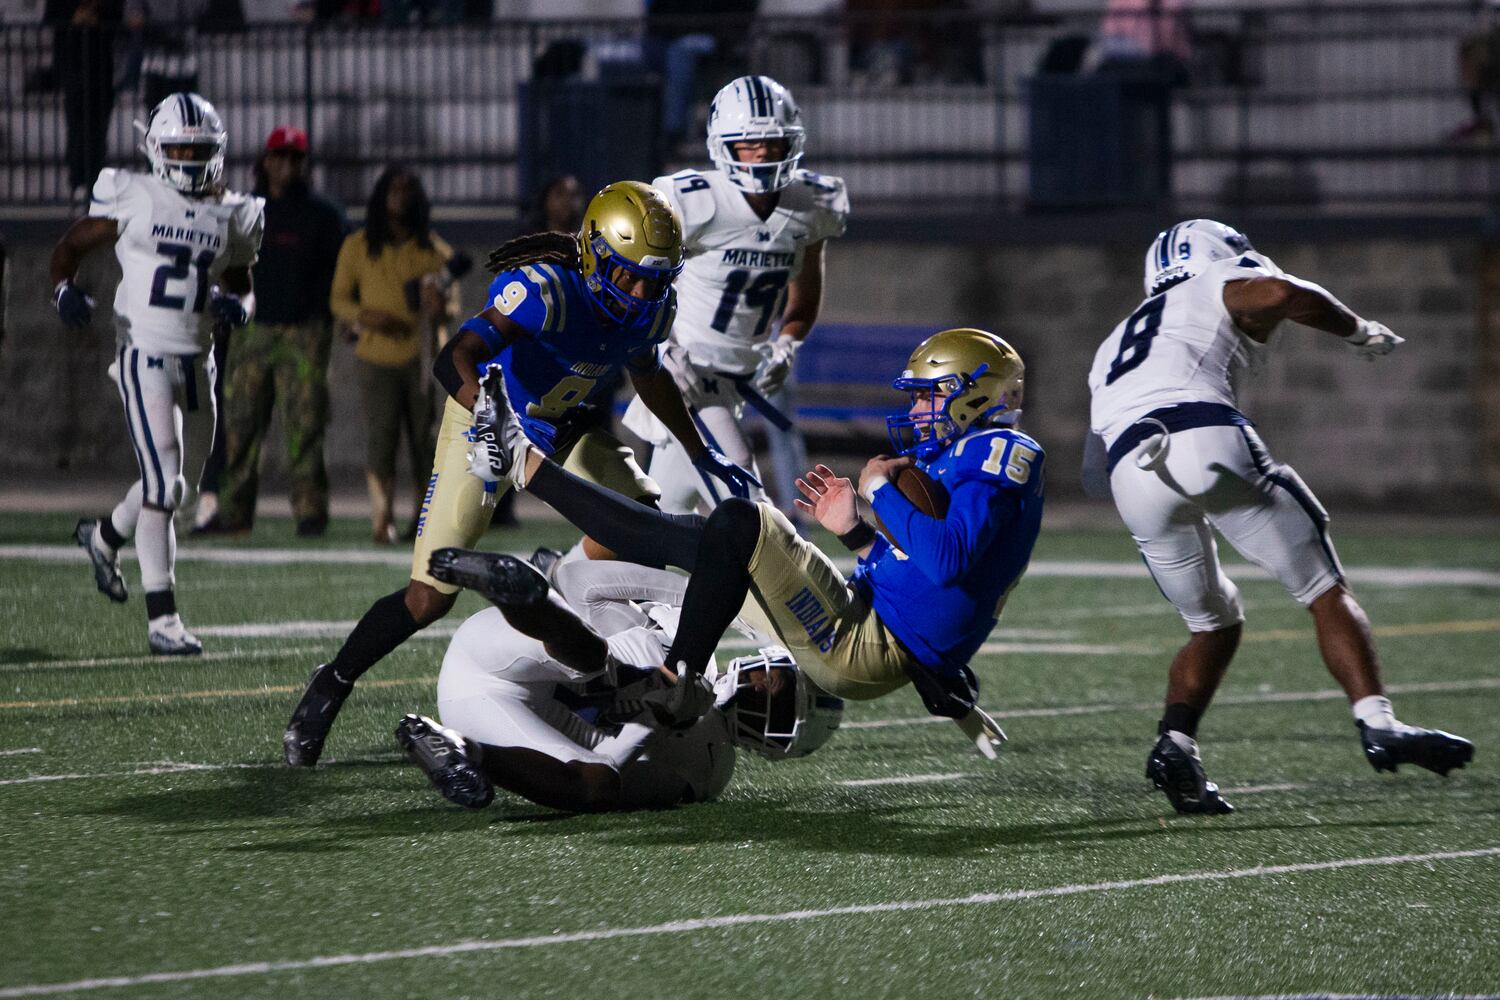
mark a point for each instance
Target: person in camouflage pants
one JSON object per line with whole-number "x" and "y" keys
{"x": 280, "y": 362}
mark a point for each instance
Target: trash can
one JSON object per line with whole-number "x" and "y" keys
{"x": 1100, "y": 140}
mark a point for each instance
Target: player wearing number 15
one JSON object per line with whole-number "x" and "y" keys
{"x": 566, "y": 313}
{"x": 185, "y": 247}
{"x": 1182, "y": 461}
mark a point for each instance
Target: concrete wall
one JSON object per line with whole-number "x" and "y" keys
{"x": 1405, "y": 433}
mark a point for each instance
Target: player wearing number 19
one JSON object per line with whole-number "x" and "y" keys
{"x": 185, "y": 246}
{"x": 566, "y": 313}
{"x": 1182, "y": 461}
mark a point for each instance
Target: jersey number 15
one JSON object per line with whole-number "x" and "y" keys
{"x": 181, "y": 262}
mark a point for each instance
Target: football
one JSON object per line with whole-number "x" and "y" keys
{"x": 925, "y": 493}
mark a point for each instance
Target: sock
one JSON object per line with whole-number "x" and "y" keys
{"x": 155, "y": 548}
{"x": 160, "y": 603}
{"x": 633, "y": 531}
{"x": 385, "y": 626}
{"x": 107, "y": 537}
{"x": 1375, "y": 712}
{"x": 1181, "y": 717}
{"x": 123, "y": 518}
{"x": 716, "y": 591}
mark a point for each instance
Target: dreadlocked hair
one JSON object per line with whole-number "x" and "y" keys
{"x": 537, "y": 248}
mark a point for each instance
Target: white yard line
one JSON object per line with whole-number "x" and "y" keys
{"x": 147, "y": 658}
{"x": 1394, "y": 576}
{"x": 1331, "y": 694}
{"x": 1263, "y": 789}
{"x": 695, "y": 925}
{"x": 909, "y": 779}
{"x": 20, "y": 751}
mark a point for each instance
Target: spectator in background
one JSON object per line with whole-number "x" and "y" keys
{"x": 377, "y": 265}
{"x": 1145, "y": 36}
{"x": 83, "y": 60}
{"x": 281, "y": 359}
{"x": 1479, "y": 73}
{"x": 680, "y": 34}
{"x": 165, "y": 33}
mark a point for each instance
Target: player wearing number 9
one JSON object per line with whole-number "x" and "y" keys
{"x": 1181, "y": 461}
{"x": 185, "y": 247}
{"x": 566, "y": 314}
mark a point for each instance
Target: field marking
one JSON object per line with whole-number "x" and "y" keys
{"x": 166, "y": 696}
{"x": 188, "y": 767}
{"x": 1394, "y": 576}
{"x": 909, "y": 779}
{"x": 20, "y": 751}
{"x": 1255, "y": 698}
{"x": 732, "y": 920}
{"x": 151, "y": 659}
{"x": 1263, "y": 789}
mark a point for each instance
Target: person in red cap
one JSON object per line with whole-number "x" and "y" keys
{"x": 280, "y": 361}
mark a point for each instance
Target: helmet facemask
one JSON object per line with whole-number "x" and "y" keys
{"x": 772, "y": 709}
{"x": 185, "y": 124}
{"x": 958, "y": 380}
{"x": 755, "y": 109}
{"x": 630, "y": 232}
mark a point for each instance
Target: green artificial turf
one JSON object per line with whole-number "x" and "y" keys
{"x": 172, "y": 840}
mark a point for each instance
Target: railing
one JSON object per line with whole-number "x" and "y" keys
{"x": 1328, "y": 106}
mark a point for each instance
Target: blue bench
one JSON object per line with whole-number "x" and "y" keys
{"x": 844, "y": 371}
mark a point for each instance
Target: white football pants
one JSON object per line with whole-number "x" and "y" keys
{"x": 1222, "y": 477}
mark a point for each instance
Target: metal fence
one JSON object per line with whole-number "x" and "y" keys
{"x": 1331, "y": 107}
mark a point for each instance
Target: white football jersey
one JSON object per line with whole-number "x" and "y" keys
{"x": 172, "y": 250}
{"x": 1179, "y": 346}
{"x": 733, "y": 285}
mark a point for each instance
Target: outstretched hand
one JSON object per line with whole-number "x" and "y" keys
{"x": 830, "y": 499}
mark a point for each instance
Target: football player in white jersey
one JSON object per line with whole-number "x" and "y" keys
{"x": 185, "y": 246}
{"x": 1182, "y": 461}
{"x": 556, "y": 705}
{"x": 754, "y": 230}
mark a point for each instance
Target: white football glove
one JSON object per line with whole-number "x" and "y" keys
{"x": 778, "y": 364}
{"x": 682, "y": 704}
{"x": 1370, "y": 340}
{"x": 639, "y": 647}
{"x": 986, "y": 733}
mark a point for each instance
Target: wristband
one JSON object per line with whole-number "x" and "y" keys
{"x": 858, "y": 537}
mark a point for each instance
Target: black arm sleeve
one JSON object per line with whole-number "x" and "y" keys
{"x": 446, "y": 371}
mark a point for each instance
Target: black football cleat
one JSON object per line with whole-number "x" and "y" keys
{"x": 106, "y": 563}
{"x": 443, "y": 757}
{"x": 507, "y": 580}
{"x": 302, "y": 743}
{"x": 1433, "y": 749}
{"x": 1180, "y": 775}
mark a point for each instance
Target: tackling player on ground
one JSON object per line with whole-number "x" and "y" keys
{"x": 566, "y": 312}
{"x": 754, "y": 231}
{"x": 185, "y": 246}
{"x": 918, "y": 605}
{"x": 1182, "y": 460}
{"x": 552, "y": 703}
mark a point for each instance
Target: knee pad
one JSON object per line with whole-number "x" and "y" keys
{"x": 1214, "y": 611}
{"x": 172, "y": 499}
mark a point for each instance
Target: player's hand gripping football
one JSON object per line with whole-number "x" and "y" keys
{"x": 830, "y": 498}
{"x": 74, "y": 307}
{"x": 739, "y": 480}
{"x": 1371, "y": 340}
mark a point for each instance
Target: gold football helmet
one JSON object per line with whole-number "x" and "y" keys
{"x": 967, "y": 378}
{"x": 630, "y": 234}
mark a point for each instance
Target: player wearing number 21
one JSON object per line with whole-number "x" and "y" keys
{"x": 185, "y": 246}
{"x": 566, "y": 313}
{"x": 1182, "y": 461}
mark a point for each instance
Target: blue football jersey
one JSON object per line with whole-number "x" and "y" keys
{"x": 941, "y": 586}
{"x": 573, "y": 353}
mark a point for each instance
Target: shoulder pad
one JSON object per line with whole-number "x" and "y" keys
{"x": 533, "y": 297}
{"x": 692, "y": 195}
{"x": 999, "y": 453}
{"x": 829, "y": 196}
{"x": 108, "y": 187}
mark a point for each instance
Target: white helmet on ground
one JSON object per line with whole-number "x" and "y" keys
{"x": 748, "y": 109}
{"x": 772, "y": 707}
{"x": 1187, "y": 248}
{"x": 180, "y": 121}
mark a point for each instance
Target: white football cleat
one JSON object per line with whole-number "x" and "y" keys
{"x": 169, "y": 637}
{"x": 106, "y": 562}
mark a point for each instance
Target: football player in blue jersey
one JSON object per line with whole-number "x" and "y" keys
{"x": 565, "y": 314}
{"x": 919, "y": 603}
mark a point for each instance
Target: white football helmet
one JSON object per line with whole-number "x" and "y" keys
{"x": 185, "y": 120}
{"x": 793, "y": 722}
{"x": 750, "y": 108}
{"x": 1187, "y": 248}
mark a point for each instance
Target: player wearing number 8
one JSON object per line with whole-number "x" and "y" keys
{"x": 565, "y": 314}
{"x": 185, "y": 246}
{"x": 1182, "y": 461}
